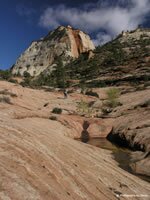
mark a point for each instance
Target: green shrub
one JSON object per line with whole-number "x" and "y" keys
{"x": 26, "y": 82}
{"x": 26, "y": 74}
{"x": 83, "y": 108}
{"x": 5, "y": 74}
{"x": 59, "y": 75}
{"x": 57, "y": 110}
{"x": 112, "y": 97}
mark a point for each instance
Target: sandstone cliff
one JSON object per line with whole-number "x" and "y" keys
{"x": 64, "y": 42}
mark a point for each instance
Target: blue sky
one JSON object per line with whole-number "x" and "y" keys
{"x": 23, "y": 21}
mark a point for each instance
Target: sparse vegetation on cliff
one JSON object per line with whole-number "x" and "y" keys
{"x": 5, "y": 74}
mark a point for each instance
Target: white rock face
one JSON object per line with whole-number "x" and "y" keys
{"x": 64, "y": 42}
{"x": 135, "y": 35}
{"x": 86, "y": 42}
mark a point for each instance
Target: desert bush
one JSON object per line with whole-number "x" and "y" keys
{"x": 26, "y": 74}
{"x": 5, "y": 74}
{"x": 4, "y": 99}
{"x": 112, "y": 97}
{"x": 83, "y": 108}
{"x": 26, "y": 82}
{"x": 57, "y": 110}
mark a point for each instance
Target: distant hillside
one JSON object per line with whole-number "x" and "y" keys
{"x": 126, "y": 59}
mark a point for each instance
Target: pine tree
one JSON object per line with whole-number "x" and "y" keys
{"x": 60, "y": 74}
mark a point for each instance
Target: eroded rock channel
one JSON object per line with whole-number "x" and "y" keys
{"x": 125, "y": 157}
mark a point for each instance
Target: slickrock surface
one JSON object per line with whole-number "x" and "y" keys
{"x": 64, "y": 42}
{"x": 133, "y": 119}
{"x": 131, "y": 127}
{"x": 96, "y": 127}
{"x": 38, "y": 161}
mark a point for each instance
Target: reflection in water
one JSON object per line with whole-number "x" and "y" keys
{"x": 121, "y": 155}
{"x": 102, "y": 143}
{"x": 85, "y": 134}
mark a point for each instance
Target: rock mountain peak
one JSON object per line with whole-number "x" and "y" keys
{"x": 64, "y": 42}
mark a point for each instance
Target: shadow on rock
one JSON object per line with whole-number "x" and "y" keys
{"x": 85, "y": 134}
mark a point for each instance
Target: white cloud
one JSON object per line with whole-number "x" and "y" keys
{"x": 112, "y": 17}
{"x": 102, "y": 38}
